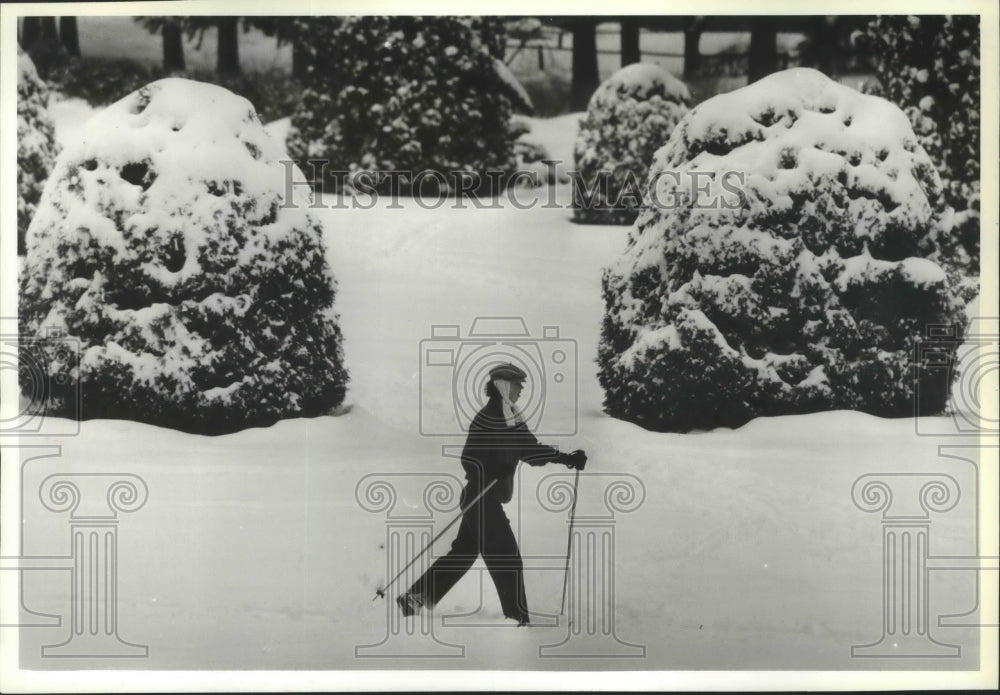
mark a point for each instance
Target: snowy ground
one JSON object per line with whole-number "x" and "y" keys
{"x": 253, "y": 552}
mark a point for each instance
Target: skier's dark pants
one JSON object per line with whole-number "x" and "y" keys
{"x": 484, "y": 530}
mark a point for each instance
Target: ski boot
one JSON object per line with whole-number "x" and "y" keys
{"x": 409, "y": 604}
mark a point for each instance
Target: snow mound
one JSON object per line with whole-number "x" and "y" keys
{"x": 36, "y": 146}
{"x": 165, "y": 252}
{"x": 628, "y": 118}
{"x": 795, "y": 268}
{"x": 547, "y": 138}
{"x": 643, "y": 80}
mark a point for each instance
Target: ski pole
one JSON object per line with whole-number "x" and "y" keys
{"x": 569, "y": 542}
{"x": 380, "y": 593}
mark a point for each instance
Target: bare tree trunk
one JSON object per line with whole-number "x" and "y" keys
{"x": 692, "y": 56}
{"x": 824, "y": 36}
{"x": 630, "y": 42}
{"x": 31, "y": 29}
{"x": 585, "y": 77}
{"x": 48, "y": 30}
{"x": 229, "y": 46}
{"x": 69, "y": 35}
{"x": 300, "y": 62}
{"x": 763, "y": 57}
{"x": 173, "y": 46}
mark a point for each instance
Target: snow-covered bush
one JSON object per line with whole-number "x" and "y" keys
{"x": 406, "y": 94}
{"x": 520, "y": 99}
{"x": 526, "y": 152}
{"x": 791, "y": 275}
{"x": 628, "y": 118}
{"x": 36, "y": 146}
{"x": 164, "y": 247}
{"x": 929, "y": 67}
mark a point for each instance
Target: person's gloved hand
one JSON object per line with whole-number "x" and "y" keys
{"x": 575, "y": 459}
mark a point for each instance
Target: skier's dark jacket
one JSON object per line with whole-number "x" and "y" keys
{"x": 493, "y": 449}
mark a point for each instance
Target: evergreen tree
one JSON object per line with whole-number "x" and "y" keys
{"x": 811, "y": 284}
{"x": 629, "y": 117}
{"x": 36, "y": 146}
{"x": 929, "y": 67}
{"x": 406, "y": 94}
{"x": 199, "y": 298}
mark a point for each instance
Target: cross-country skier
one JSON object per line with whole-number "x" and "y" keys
{"x": 498, "y": 439}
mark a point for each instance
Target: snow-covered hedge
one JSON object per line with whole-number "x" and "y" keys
{"x": 165, "y": 249}
{"x": 805, "y": 287}
{"x": 929, "y": 67}
{"x": 36, "y": 147}
{"x": 406, "y": 93}
{"x": 628, "y": 118}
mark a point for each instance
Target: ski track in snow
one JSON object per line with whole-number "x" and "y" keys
{"x": 254, "y": 553}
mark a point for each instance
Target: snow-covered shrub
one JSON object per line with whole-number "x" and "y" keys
{"x": 101, "y": 81}
{"x": 805, "y": 287}
{"x": 164, "y": 246}
{"x": 539, "y": 165}
{"x": 406, "y": 94}
{"x": 36, "y": 146}
{"x": 929, "y": 67}
{"x": 628, "y": 118}
{"x": 521, "y": 100}
{"x": 526, "y": 151}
